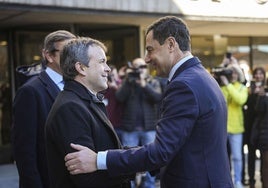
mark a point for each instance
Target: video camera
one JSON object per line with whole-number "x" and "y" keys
{"x": 217, "y": 72}
{"x": 134, "y": 74}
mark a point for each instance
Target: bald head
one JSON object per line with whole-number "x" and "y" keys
{"x": 138, "y": 62}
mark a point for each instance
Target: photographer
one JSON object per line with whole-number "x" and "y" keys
{"x": 236, "y": 95}
{"x": 222, "y": 69}
{"x": 140, "y": 94}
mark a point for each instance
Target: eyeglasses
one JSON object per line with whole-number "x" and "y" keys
{"x": 54, "y": 50}
{"x": 143, "y": 67}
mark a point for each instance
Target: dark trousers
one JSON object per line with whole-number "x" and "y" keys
{"x": 264, "y": 169}
{"x": 251, "y": 163}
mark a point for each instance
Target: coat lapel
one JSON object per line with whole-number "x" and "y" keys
{"x": 94, "y": 105}
{"x": 98, "y": 112}
{"x": 189, "y": 63}
{"x": 50, "y": 86}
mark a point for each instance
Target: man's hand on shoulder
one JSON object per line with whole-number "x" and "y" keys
{"x": 82, "y": 161}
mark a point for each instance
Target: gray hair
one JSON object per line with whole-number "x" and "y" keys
{"x": 56, "y": 36}
{"x": 76, "y": 50}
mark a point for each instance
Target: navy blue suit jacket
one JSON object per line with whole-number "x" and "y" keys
{"x": 31, "y": 106}
{"x": 191, "y": 136}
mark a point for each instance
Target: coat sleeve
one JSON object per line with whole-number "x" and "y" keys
{"x": 24, "y": 136}
{"x": 172, "y": 131}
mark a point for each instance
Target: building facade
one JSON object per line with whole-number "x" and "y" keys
{"x": 216, "y": 27}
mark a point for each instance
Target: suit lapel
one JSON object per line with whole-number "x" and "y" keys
{"x": 50, "y": 86}
{"x": 189, "y": 63}
{"x": 94, "y": 106}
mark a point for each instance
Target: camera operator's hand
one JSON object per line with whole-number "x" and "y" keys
{"x": 142, "y": 81}
{"x": 224, "y": 80}
{"x": 261, "y": 91}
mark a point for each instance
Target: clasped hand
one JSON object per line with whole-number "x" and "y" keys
{"x": 82, "y": 161}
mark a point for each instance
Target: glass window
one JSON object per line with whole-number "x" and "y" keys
{"x": 260, "y": 52}
{"x": 30, "y": 45}
{"x": 122, "y": 42}
{"x": 5, "y": 92}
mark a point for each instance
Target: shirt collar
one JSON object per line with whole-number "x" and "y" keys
{"x": 55, "y": 77}
{"x": 177, "y": 65}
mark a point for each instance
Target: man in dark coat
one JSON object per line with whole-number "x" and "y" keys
{"x": 30, "y": 109}
{"x": 191, "y": 136}
{"x": 78, "y": 115}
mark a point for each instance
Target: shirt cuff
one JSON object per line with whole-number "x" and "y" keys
{"x": 101, "y": 160}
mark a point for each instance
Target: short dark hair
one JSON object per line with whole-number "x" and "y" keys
{"x": 76, "y": 50}
{"x": 171, "y": 26}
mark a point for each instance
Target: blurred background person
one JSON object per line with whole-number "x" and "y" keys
{"x": 236, "y": 95}
{"x": 28, "y": 140}
{"x": 140, "y": 94}
{"x": 113, "y": 106}
{"x": 256, "y": 85}
{"x": 259, "y": 133}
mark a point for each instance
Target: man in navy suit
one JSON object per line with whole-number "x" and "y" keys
{"x": 31, "y": 106}
{"x": 190, "y": 143}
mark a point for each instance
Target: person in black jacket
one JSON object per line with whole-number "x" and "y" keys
{"x": 30, "y": 109}
{"x": 251, "y": 114}
{"x": 140, "y": 95}
{"x": 79, "y": 116}
{"x": 259, "y": 133}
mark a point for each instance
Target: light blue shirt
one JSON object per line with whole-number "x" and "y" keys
{"x": 102, "y": 155}
{"x": 177, "y": 65}
{"x": 55, "y": 77}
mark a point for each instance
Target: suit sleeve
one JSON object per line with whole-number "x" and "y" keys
{"x": 79, "y": 127}
{"x": 25, "y": 109}
{"x": 179, "y": 112}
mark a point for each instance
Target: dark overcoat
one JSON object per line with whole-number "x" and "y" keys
{"x": 79, "y": 117}
{"x": 31, "y": 106}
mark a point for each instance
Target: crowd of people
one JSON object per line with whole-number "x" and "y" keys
{"x": 92, "y": 124}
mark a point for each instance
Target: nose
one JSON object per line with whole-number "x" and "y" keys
{"x": 147, "y": 58}
{"x": 107, "y": 68}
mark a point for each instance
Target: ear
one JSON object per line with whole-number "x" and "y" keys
{"x": 171, "y": 42}
{"x": 80, "y": 69}
{"x": 46, "y": 55}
